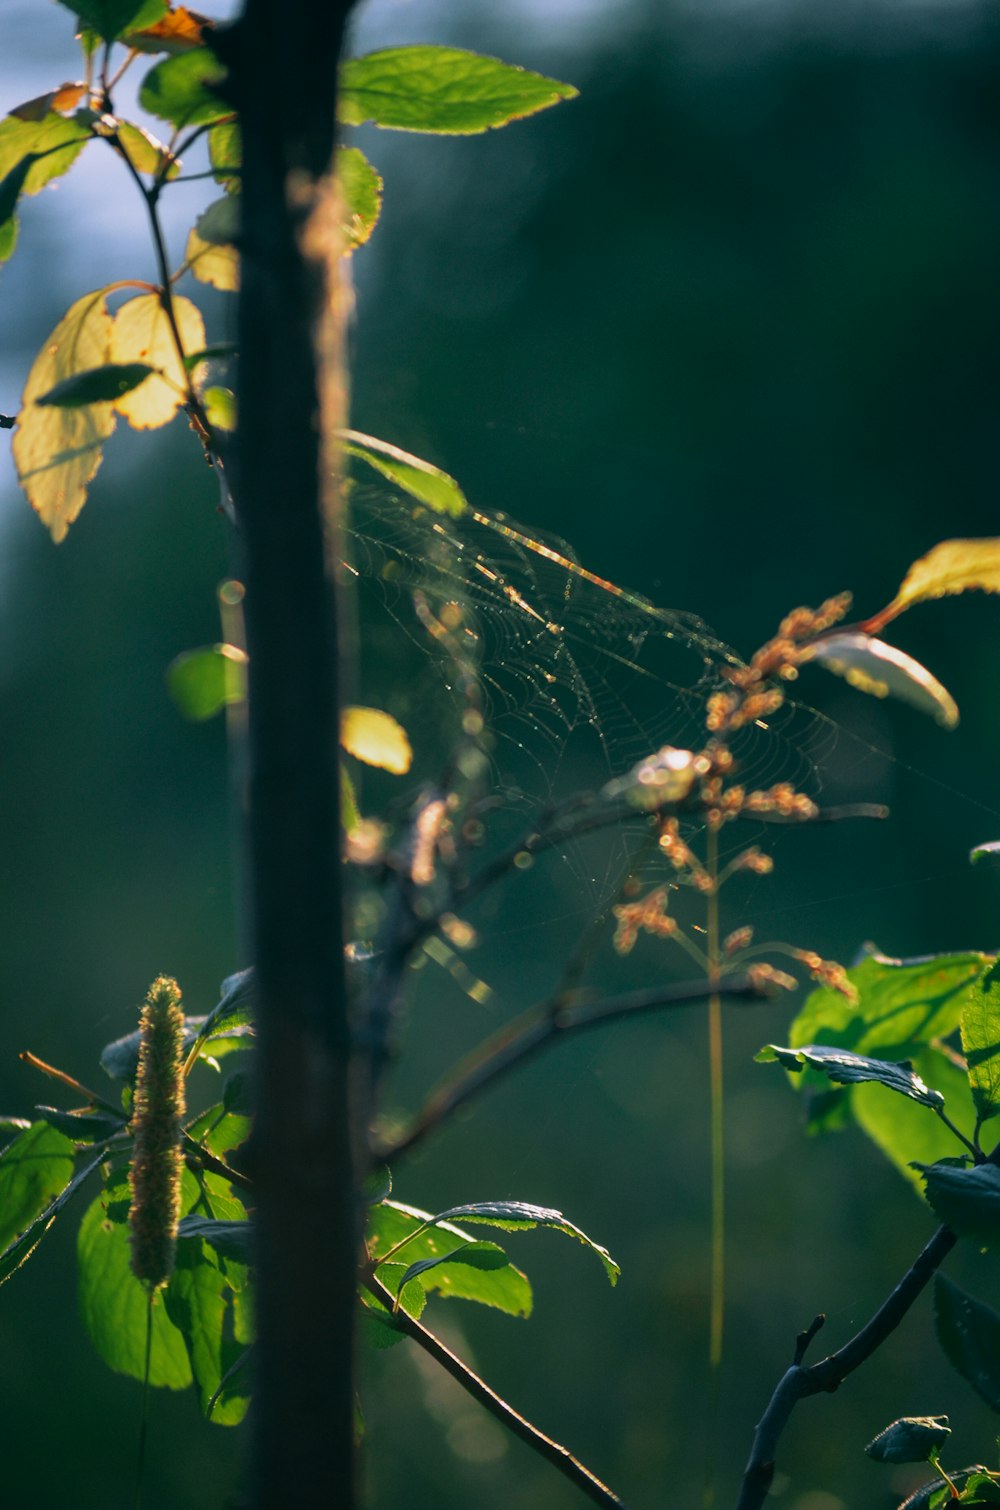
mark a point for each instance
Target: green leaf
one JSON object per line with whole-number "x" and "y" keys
{"x": 967, "y": 1200}
{"x": 361, "y": 188}
{"x": 975, "y": 1478}
{"x": 418, "y": 478}
{"x": 32, "y": 153}
{"x": 220, "y": 353}
{"x": 377, "y": 1185}
{"x": 480, "y": 1272}
{"x": 219, "y": 222}
{"x": 109, "y": 18}
{"x": 35, "y": 1168}
{"x": 198, "y": 1299}
{"x": 113, "y": 1303}
{"x": 969, "y": 1334}
{"x": 911, "y": 1439}
{"x": 203, "y": 682}
{"x": 96, "y": 385}
{"x": 852, "y": 1069}
{"x": 989, "y": 851}
{"x": 225, "y": 153}
{"x": 218, "y": 266}
{"x": 903, "y": 1131}
{"x": 232, "y": 1239}
{"x": 179, "y": 89}
{"x": 218, "y": 1130}
{"x": 233, "y": 1013}
{"x": 981, "y": 1042}
{"x": 19, "y": 1251}
{"x": 375, "y": 737}
{"x": 146, "y": 154}
{"x": 441, "y": 89}
{"x": 902, "y": 1005}
{"x": 519, "y": 1216}
{"x": 220, "y": 407}
{"x": 82, "y": 1127}
{"x": 390, "y": 1222}
{"x": 120, "y": 1058}
{"x": 58, "y": 451}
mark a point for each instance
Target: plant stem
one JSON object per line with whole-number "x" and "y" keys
{"x": 141, "y": 1455}
{"x": 828, "y": 1375}
{"x": 716, "y": 1114}
{"x": 553, "y": 1452}
{"x": 536, "y": 1030}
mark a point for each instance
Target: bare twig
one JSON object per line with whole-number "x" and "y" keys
{"x": 534, "y": 1031}
{"x": 826, "y": 1376}
{"x": 553, "y": 1452}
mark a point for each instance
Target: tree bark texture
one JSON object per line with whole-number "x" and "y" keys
{"x": 283, "y": 64}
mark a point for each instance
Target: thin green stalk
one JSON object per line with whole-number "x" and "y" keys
{"x": 717, "y": 1298}
{"x": 141, "y": 1456}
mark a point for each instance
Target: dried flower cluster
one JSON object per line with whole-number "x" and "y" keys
{"x": 649, "y": 915}
{"x": 158, "y": 1111}
{"x": 752, "y": 697}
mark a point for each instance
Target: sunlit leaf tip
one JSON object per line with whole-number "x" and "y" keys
{"x": 883, "y": 671}
{"x": 954, "y": 566}
{"x": 990, "y": 851}
{"x": 415, "y": 476}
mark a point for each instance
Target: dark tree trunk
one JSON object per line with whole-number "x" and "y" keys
{"x": 291, "y": 397}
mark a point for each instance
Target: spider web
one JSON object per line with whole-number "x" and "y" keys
{"x": 578, "y": 679}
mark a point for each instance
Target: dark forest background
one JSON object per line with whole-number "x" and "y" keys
{"x": 729, "y": 324}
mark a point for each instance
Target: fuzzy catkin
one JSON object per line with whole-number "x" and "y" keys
{"x": 158, "y": 1111}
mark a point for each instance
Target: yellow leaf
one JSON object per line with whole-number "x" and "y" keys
{"x": 954, "y": 566}
{"x": 211, "y": 263}
{"x": 376, "y": 738}
{"x": 884, "y": 671}
{"x": 57, "y": 451}
{"x": 141, "y": 333}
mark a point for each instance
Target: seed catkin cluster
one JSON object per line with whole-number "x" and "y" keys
{"x": 158, "y": 1111}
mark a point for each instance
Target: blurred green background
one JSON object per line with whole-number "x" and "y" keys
{"x": 729, "y": 324}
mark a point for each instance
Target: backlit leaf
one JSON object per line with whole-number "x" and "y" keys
{"x": 225, "y": 153}
{"x": 20, "y": 1250}
{"x": 361, "y": 188}
{"x": 901, "y": 1006}
{"x": 846, "y": 1068}
{"x": 203, "y": 682}
{"x": 33, "y": 151}
{"x": 57, "y": 451}
{"x": 954, "y": 566}
{"x": 441, "y": 89}
{"x": 180, "y": 30}
{"x": 418, "y": 478}
{"x": 217, "y": 265}
{"x": 902, "y": 1130}
{"x": 142, "y": 333}
{"x": 145, "y": 153}
{"x": 63, "y": 99}
{"x": 113, "y": 1303}
{"x": 981, "y": 1042}
{"x": 969, "y": 1334}
{"x": 989, "y": 851}
{"x": 109, "y": 18}
{"x": 220, "y": 408}
{"x": 376, "y": 738}
{"x": 34, "y": 1169}
{"x": 517, "y": 1216}
{"x": 232, "y": 1239}
{"x": 180, "y": 90}
{"x": 97, "y": 385}
{"x": 967, "y": 1200}
{"x": 884, "y": 671}
{"x": 479, "y": 1272}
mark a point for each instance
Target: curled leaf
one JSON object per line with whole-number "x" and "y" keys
{"x": 989, "y": 851}
{"x": 912, "y": 1439}
{"x": 845, "y": 1068}
{"x": 884, "y": 671}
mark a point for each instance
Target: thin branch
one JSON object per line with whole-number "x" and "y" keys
{"x": 827, "y": 1376}
{"x": 553, "y": 1452}
{"x": 529, "y": 1034}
